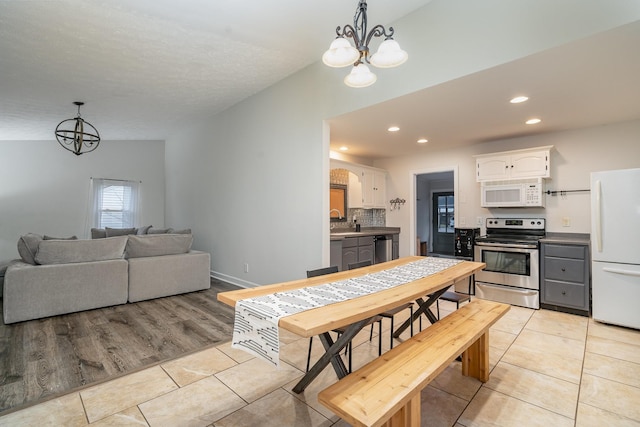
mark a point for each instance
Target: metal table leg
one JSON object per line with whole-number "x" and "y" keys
{"x": 423, "y": 308}
{"x": 331, "y": 355}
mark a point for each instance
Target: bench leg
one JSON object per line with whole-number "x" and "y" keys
{"x": 475, "y": 359}
{"x": 408, "y": 415}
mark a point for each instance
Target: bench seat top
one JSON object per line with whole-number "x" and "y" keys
{"x": 373, "y": 393}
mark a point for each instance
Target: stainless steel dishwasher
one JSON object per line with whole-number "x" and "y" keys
{"x": 384, "y": 248}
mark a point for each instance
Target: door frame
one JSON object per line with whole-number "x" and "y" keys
{"x": 413, "y": 179}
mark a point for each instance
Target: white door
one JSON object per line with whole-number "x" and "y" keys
{"x": 528, "y": 165}
{"x": 616, "y": 292}
{"x": 615, "y": 216}
{"x": 493, "y": 168}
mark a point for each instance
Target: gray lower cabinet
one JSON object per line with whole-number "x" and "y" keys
{"x": 565, "y": 276}
{"x": 336, "y": 253}
{"x": 395, "y": 248}
{"x": 357, "y": 249}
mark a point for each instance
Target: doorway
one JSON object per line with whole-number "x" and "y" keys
{"x": 442, "y": 223}
{"x": 433, "y": 231}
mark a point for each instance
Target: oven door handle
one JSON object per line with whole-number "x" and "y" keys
{"x": 508, "y": 245}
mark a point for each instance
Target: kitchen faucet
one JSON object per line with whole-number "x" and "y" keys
{"x": 336, "y": 210}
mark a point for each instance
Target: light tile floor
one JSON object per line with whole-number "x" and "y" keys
{"x": 548, "y": 369}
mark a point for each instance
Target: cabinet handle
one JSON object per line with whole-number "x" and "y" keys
{"x": 563, "y": 269}
{"x": 564, "y": 292}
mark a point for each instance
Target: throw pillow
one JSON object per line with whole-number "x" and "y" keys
{"x": 159, "y": 244}
{"x": 60, "y": 238}
{"x": 28, "y": 247}
{"x": 113, "y": 232}
{"x": 72, "y": 251}
{"x": 143, "y": 230}
{"x": 98, "y": 233}
{"x": 160, "y": 230}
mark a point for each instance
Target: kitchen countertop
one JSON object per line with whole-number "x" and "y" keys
{"x": 340, "y": 234}
{"x": 567, "y": 238}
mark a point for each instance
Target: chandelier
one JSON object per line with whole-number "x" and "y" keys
{"x": 341, "y": 53}
{"x": 77, "y": 135}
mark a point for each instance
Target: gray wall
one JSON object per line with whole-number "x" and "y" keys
{"x": 255, "y": 182}
{"x": 45, "y": 189}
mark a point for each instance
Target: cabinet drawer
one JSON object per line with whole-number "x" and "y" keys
{"x": 564, "y": 251}
{"x": 350, "y": 242}
{"x": 566, "y": 269}
{"x": 368, "y": 240}
{"x": 564, "y": 294}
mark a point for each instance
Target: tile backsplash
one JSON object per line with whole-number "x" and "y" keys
{"x": 365, "y": 217}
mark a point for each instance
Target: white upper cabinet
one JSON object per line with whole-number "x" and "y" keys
{"x": 373, "y": 188}
{"x": 533, "y": 163}
{"x": 367, "y": 185}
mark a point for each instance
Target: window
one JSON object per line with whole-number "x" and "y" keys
{"x": 115, "y": 203}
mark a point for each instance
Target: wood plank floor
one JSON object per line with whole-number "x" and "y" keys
{"x": 41, "y": 359}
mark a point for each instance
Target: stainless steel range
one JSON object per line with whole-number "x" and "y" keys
{"x": 511, "y": 251}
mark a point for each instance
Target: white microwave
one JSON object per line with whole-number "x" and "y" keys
{"x": 512, "y": 194}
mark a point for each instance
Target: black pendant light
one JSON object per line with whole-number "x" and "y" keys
{"x": 77, "y": 135}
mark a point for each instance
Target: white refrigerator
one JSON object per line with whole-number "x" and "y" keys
{"x": 615, "y": 246}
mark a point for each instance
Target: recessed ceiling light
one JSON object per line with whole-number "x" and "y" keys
{"x": 393, "y": 129}
{"x": 343, "y": 148}
{"x": 519, "y": 99}
{"x": 423, "y": 141}
{"x": 533, "y": 121}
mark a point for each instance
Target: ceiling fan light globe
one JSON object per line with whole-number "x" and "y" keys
{"x": 360, "y": 76}
{"x": 389, "y": 55}
{"x": 340, "y": 54}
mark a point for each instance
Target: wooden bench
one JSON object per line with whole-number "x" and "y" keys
{"x": 386, "y": 391}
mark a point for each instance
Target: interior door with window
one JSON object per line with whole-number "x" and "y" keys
{"x": 443, "y": 223}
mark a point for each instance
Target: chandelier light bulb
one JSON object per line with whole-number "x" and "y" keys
{"x": 360, "y": 76}
{"x": 389, "y": 55}
{"x": 340, "y": 53}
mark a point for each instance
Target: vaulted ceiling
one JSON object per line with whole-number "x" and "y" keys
{"x": 142, "y": 66}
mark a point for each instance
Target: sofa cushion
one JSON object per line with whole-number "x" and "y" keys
{"x": 185, "y": 231}
{"x": 158, "y": 244}
{"x": 113, "y": 232}
{"x": 60, "y": 238}
{"x": 73, "y": 251}
{"x": 159, "y": 230}
{"x": 98, "y": 233}
{"x": 28, "y": 246}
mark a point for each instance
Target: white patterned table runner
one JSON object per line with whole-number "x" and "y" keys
{"x": 255, "y": 327}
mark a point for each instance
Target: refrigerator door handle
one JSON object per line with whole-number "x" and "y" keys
{"x": 598, "y": 214}
{"x": 621, "y": 271}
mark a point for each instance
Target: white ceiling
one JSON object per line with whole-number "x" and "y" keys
{"x": 143, "y": 65}
{"x": 590, "y": 82}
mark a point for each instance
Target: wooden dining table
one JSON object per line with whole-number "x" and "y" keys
{"x": 356, "y": 313}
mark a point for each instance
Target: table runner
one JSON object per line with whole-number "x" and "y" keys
{"x": 255, "y": 327}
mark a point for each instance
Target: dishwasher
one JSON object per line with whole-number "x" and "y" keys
{"x": 384, "y": 248}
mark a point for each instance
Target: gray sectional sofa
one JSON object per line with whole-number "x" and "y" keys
{"x": 59, "y": 276}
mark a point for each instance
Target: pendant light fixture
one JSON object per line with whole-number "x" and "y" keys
{"x": 77, "y": 135}
{"x": 342, "y": 54}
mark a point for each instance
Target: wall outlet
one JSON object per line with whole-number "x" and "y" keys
{"x": 479, "y": 221}
{"x": 566, "y": 221}
{"x": 246, "y": 267}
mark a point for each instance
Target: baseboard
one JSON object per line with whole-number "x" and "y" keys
{"x": 233, "y": 280}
